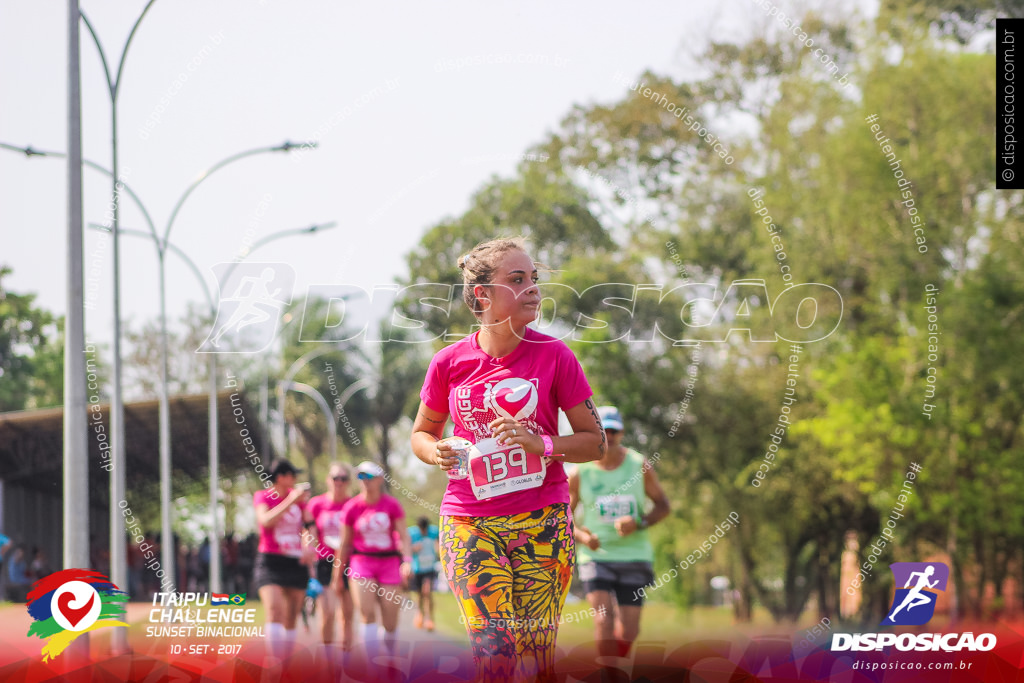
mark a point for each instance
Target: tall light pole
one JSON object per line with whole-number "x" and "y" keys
{"x": 76, "y": 445}
{"x": 118, "y": 551}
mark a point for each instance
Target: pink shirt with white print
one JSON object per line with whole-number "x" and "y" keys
{"x": 285, "y": 537}
{"x": 327, "y": 516}
{"x": 374, "y": 527}
{"x": 529, "y": 385}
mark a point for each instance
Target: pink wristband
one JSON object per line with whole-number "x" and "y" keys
{"x": 548, "y": 447}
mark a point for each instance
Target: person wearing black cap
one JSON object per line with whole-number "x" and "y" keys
{"x": 614, "y": 554}
{"x": 282, "y": 562}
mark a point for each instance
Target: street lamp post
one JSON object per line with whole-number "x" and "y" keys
{"x": 117, "y": 482}
{"x": 76, "y": 447}
{"x": 212, "y": 420}
{"x": 161, "y": 243}
{"x": 118, "y": 559}
{"x": 118, "y": 556}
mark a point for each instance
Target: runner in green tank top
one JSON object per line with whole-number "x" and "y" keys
{"x": 613, "y": 552}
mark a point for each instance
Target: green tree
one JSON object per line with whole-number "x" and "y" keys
{"x": 661, "y": 206}
{"x": 31, "y": 352}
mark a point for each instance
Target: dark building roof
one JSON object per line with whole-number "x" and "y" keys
{"x": 32, "y": 443}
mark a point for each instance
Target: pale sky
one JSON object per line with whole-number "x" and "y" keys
{"x": 215, "y": 78}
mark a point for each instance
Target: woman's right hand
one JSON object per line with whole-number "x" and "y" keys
{"x": 300, "y": 493}
{"x": 444, "y": 456}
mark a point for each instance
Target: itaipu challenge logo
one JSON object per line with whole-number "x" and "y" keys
{"x": 68, "y": 603}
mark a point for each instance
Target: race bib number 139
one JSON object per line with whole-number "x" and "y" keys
{"x": 495, "y": 470}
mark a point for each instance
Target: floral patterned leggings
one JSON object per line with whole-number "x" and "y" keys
{"x": 510, "y": 575}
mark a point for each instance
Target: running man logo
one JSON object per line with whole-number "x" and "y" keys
{"x": 250, "y": 316}
{"x": 68, "y": 603}
{"x": 914, "y": 603}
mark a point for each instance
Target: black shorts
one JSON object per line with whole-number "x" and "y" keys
{"x": 625, "y": 579}
{"x": 324, "y": 570}
{"x": 279, "y": 570}
{"x": 420, "y": 578}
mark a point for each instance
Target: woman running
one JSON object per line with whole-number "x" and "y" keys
{"x": 282, "y": 562}
{"x": 377, "y": 561}
{"x": 506, "y": 536}
{"x": 325, "y": 511}
{"x": 613, "y": 549}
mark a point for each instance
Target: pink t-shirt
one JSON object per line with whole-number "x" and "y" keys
{"x": 373, "y": 525}
{"x": 529, "y": 385}
{"x": 285, "y": 537}
{"x": 327, "y": 515}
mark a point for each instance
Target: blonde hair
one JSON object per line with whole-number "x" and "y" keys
{"x": 343, "y": 466}
{"x": 479, "y": 264}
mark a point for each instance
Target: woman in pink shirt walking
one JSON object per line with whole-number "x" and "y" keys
{"x": 376, "y": 554}
{"x": 325, "y": 511}
{"x": 506, "y": 534}
{"x": 282, "y": 561}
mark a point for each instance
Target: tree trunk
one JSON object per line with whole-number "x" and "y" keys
{"x": 385, "y": 449}
{"x": 824, "y": 580}
{"x": 979, "y": 557}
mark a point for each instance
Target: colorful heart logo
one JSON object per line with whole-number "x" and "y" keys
{"x": 75, "y": 605}
{"x": 69, "y": 602}
{"x": 72, "y": 614}
{"x": 515, "y": 398}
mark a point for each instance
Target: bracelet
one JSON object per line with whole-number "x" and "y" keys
{"x": 405, "y": 560}
{"x": 548, "y": 446}
{"x": 643, "y": 524}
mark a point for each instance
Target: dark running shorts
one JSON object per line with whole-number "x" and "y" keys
{"x": 423, "y": 577}
{"x": 279, "y": 570}
{"x": 622, "y": 578}
{"x": 324, "y": 569}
